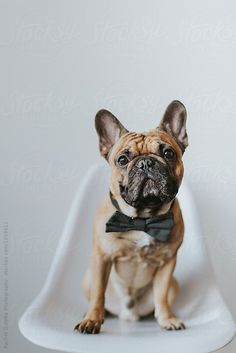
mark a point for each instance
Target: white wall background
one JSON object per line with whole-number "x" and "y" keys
{"x": 61, "y": 61}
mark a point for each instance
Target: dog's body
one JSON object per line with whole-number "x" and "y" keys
{"x": 131, "y": 273}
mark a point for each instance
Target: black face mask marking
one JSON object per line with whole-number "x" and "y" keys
{"x": 151, "y": 183}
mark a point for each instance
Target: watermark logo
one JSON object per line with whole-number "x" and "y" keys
{"x": 57, "y": 34}
{"x": 5, "y": 304}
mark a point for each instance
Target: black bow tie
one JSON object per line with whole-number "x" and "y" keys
{"x": 157, "y": 227}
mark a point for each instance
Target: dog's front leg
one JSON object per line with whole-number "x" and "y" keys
{"x": 161, "y": 286}
{"x": 94, "y": 318}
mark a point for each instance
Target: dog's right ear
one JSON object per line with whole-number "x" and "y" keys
{"x": 109, "y": 131}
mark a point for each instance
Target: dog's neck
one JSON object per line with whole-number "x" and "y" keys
{"x": 119, "y": 203}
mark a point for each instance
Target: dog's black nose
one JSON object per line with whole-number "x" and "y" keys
{"x": 145, "y": 163}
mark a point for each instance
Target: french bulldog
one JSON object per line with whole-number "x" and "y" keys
{"x": 138, "y": 226}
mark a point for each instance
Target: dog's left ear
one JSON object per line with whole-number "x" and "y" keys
{"x": 174, "y": 123}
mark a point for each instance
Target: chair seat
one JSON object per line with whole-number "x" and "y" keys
{"x": 50, "y": 319}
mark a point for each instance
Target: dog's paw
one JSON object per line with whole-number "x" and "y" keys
{"x": 171, "y": 324}
{"x": 89, "y": 326}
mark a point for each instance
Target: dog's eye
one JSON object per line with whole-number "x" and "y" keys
{"x": 123, "y": 160}
{"x": 169, "y": 154}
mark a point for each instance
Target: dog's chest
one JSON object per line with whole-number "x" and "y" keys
{"x": 136, "y": 264}
{"x": 141, "y": 239}
{"x": 144, "y": 249}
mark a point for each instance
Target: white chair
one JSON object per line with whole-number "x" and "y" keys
{"x": 50, "y": 319}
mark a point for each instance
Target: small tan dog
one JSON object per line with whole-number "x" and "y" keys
{"x": 138, "y": 227}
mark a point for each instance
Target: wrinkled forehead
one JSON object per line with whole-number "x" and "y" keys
{"x": 145, "y": 143}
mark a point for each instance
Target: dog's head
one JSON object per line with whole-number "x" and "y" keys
{"x": 147, "y": 168}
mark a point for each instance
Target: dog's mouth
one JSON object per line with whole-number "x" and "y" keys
{"x": 148, "y": 191}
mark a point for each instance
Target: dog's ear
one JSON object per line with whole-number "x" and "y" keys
{"x": 109, "y": 130}
{"x": 174, "y": 123}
